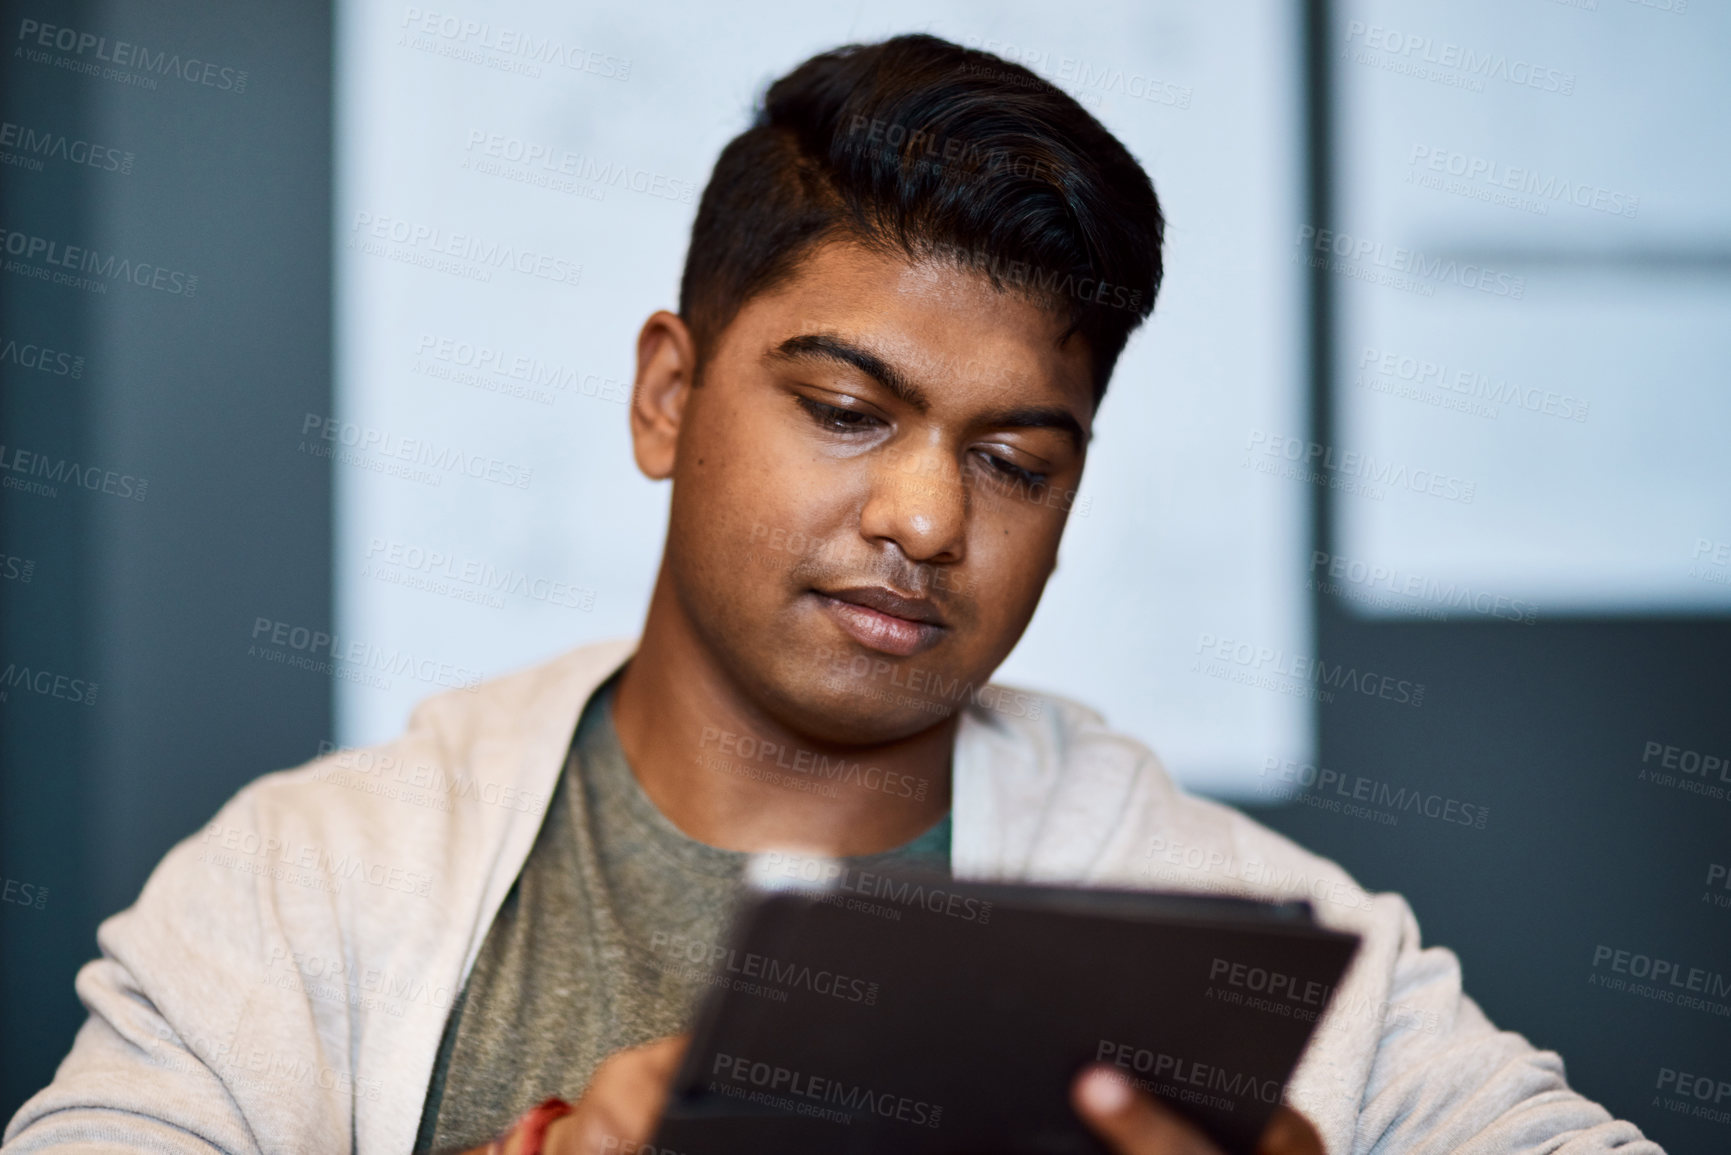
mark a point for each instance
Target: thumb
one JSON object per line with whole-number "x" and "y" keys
{"x": 1133, "y": 1124}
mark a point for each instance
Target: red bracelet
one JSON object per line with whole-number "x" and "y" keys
{"x": 532, "y": 1127}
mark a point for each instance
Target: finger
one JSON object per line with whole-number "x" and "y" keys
{"x": 1289, "y": 1133}
{"x": 664, "y": 1055}
{"x": 621, "y": 1106}
{"x": 631, "y": 1089}
{"x": 647, "y": 1075}
{"x": 1133, "y": 1124}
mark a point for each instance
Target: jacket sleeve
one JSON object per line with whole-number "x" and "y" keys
{"x": 1444, "y": 1079}
{"x": 1405, "y": 1063}
{"x": 129, "y": 1084}
{"x": 191, "y": 1045}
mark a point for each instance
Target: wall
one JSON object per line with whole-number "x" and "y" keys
{"x": 186, "y": 406}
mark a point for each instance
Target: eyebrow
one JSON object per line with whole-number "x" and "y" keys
{"x": 826, "y": 347}
{"x": 1040, "y": 417}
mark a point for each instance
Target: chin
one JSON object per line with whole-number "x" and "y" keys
{"x": 865, "y": 725}
{"x": 839, "y": 707}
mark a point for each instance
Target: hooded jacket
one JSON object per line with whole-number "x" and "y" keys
{"x": 283, "y": 981}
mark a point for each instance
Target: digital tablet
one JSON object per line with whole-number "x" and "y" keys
{"x": 900, "y": 1012}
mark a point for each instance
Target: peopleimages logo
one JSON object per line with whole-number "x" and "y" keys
{"x": 1690, "y": 771}
{"x": 1353, "y": 252}
{"x": 1389, "y": 587}
{"x": 1664, "y": 980}
{"x": 835, "y": 881}
{"x": 1192, "y": 866}
{"x": 343, "y": 981}
{"x": 1701, "y": 1087}
{"x": 722, "y": 960}
{"x": 1088, "y": 289}
{"x": 1497, "y": 177}
{"x": 1290, "y": 780}
{"x": 1437, "y": 374}
{"x": 412, "y": 450}
{"x": 1083, "y": 79}
{"x": 497, "y": 370}
{"x": 1275, "y": 984}
{"x": 47, "y": 684}
{"x": 388, "y": 774}
{"x": 1457, "y": 63}
{"x": 1303, "y": 669}
{"x": 23, "y": 893}
{"x": 351, "y": 657}
{"x": 511, "y": 49}
{"x": 44, "y": 257}
{"x": 925, "y": 689}
{"x": 807, "y": 762}
{"x": 464, "y": 254}
{"x": 42, "y": 475}
{"x": 124, "y": 55}
{"x": 1349, "y": 469}
{"x": 465, "y": 578}
{"x": 41, "y": 358}
{"x": 335, "y": 866}
{"x": 32, "y": 147}
{"x": 785, "y": 1088}
{"x": 562, "y": 162}
{"x": 1172, "y": 1075}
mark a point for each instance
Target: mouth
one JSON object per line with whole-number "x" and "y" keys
{"x": 881, "y": 619}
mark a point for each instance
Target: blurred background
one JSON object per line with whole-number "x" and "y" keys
{"x": 1415, "y": 486}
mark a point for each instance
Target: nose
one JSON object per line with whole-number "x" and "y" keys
{"x": 918, "y": 501}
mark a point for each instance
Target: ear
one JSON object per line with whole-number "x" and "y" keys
{"x": 666, "y": 362}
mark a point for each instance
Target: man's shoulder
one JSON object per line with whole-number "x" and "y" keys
{"x": 1151, "y": 831}
{"x": 374, "y": 851}
{"x": 518, "y": 705}
{"x": 403, "y": 816}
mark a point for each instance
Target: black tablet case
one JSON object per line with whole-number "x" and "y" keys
{"x": 912, "y": 1014}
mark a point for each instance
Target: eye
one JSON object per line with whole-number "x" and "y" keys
{"x": 836, "y": 419}
{"x": 1013, "y": 472}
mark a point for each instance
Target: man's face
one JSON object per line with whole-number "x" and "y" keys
{"x": 870, "y": 486}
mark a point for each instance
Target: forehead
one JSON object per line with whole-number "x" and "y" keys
{"x": 933, "y": 319}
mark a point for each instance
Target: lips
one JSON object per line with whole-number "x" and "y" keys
{"x": 883, "y": 620}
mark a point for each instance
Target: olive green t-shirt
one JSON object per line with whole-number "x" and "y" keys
{"x": 602, "y": 943}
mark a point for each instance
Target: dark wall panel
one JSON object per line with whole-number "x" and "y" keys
{"x": 185, "y": 407}
{"x": 1547, "y": 727}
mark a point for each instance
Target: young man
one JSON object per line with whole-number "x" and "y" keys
{"x": 907, "y": 287}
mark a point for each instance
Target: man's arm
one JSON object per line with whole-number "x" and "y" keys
{"x": 1445, "y": 1079}
{"x": 188, "y": 1046}
{"x": 1437, "y": 1076}
{"x": 130, "y": 1084}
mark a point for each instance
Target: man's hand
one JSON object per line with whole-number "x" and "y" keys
{"x": 1134, "y": 1124}
{"x": 619, "y": 1110}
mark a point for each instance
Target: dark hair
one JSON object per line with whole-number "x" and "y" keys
{"x": 923, "y": 146}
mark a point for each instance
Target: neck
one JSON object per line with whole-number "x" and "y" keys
{"x": 729, "y": 774}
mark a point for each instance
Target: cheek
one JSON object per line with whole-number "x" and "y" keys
{"x": 760, "y": 502}
{"x": 1010, "y": 559}
{"x": 749, "y": 453}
